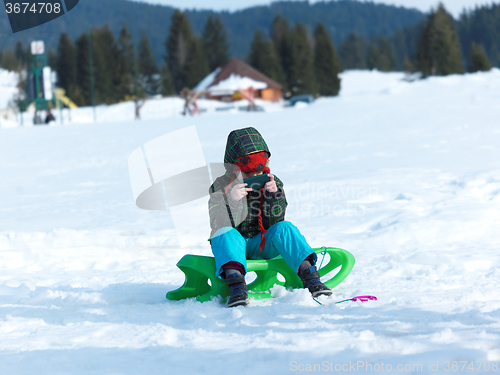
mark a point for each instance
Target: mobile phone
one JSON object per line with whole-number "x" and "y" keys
{"x": 257, "y": 182}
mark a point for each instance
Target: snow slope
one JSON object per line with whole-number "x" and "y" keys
{"x": 406, "y": 176}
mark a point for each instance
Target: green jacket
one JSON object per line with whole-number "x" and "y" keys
{"x": 243, "y": 215}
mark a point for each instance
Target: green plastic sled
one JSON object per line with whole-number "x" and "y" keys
{"x": 200, "y": 269}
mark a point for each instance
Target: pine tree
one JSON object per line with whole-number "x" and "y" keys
{"x": 21, "y": 55}
{"x": 28, "y": 55}
{"x": 196, "y": 66}
{"x": 83, "y": 95}
{"x": 125, "y": 69}
{"x": 495, "y": 54}
{"x": 282, "y": 43}
{"x": 276, "y": 71}
{"x": 258, "y": 50}
{"x": 177, "y": 46}
{"x": 482, "y": 26}
{"x": 326, "y": 63}
{"x": 112, "y": 71}
{"x": 52, "y": 58}
{"x": 439, "y": 50}
{"x": 9, "y": 60}
{"x": 66, "y": 66}
{"x": 403, "y": 43}
{"x": 264, "y": 58}
{"x": 352, "y": 51}
{"x": 408, "y": 67}
{"x": 167, "y": 87}
{"x": 104, "y": 53}
{"x": 302, "y": 80}
{"x": 380, "y": 56}
{"x": 478, "y": 59}
{"x": 372, "y": 61}
{"x": 386, "y": 62}
{"x": 147, "y": 67}
{"x": 215, "y": 43}
{"x": 112, "y": 83}
{"x": 126, "y": 45}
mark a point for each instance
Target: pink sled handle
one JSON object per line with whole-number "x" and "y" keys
{"x": 365, "y": 298}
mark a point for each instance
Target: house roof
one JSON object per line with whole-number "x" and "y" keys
{"x": 237, "y": 68}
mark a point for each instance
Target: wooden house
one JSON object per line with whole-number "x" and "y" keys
{"x": 236, "y": 81}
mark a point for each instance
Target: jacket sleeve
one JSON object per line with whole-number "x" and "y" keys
{"x": 223, "y": 211}
{"x": 274, "y": 206}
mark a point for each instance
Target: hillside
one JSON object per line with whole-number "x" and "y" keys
{"x": 340, "y": 17}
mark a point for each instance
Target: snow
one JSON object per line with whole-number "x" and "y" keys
{"x": 8, "y": 83}
{"x": 406, "y": 176}
{"x": 8, "y": 91}
{"x": 237, "y": 82}
{"x": 233, "y": 83}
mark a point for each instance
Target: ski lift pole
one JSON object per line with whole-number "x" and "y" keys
{"x": 136, "y": 84}
{"x": 59, "y": 103}
{"x": 91, "y": 63}
{"x": 136, "y": 74}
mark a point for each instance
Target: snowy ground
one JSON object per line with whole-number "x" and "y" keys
{"x": 406, "y": 176}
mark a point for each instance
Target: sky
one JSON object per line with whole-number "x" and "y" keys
{"x": 454, "y": 6}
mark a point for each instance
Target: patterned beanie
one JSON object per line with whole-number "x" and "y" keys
{"x": 257, "y": 162}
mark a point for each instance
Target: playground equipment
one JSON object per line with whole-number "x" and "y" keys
{"x": 60, "y": 94}
{"x": 40, "y": 80}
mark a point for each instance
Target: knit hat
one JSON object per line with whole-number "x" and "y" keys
{"x": 256, "y": 162}
{"x": 243, "y": 142}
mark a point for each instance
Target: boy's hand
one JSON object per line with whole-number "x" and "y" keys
{"x": 271, "y": 186}
{"x": 238, "y": 192}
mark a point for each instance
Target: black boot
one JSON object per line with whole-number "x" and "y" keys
{"x": 310, "y": 280}
{"x": 238, "y": 287}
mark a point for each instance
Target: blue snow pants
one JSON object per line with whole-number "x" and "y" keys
{"x": 282, "y": 238}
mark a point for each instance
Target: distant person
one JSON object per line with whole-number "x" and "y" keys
{"x": 49, "y": 116}
{"x": 37, "y": 120}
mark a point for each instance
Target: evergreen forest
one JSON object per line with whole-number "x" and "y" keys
{"x": 302, "y": 46}
{"x": 340, "y": 17}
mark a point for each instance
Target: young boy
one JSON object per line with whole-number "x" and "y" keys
{"x": 249, "y": 224}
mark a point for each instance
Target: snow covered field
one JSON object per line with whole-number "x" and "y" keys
{"x": 406, "y": 176}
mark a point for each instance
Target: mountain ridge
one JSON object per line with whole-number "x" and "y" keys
{"x": 340, "y": 17}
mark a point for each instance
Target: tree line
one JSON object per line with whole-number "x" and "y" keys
{"x": 439, "y": 50}
{"x": 122, "y": 69}
{"x": 340, "y": 17}
{"x": 438, "y": 45}
{"x": 303, "y": 61}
